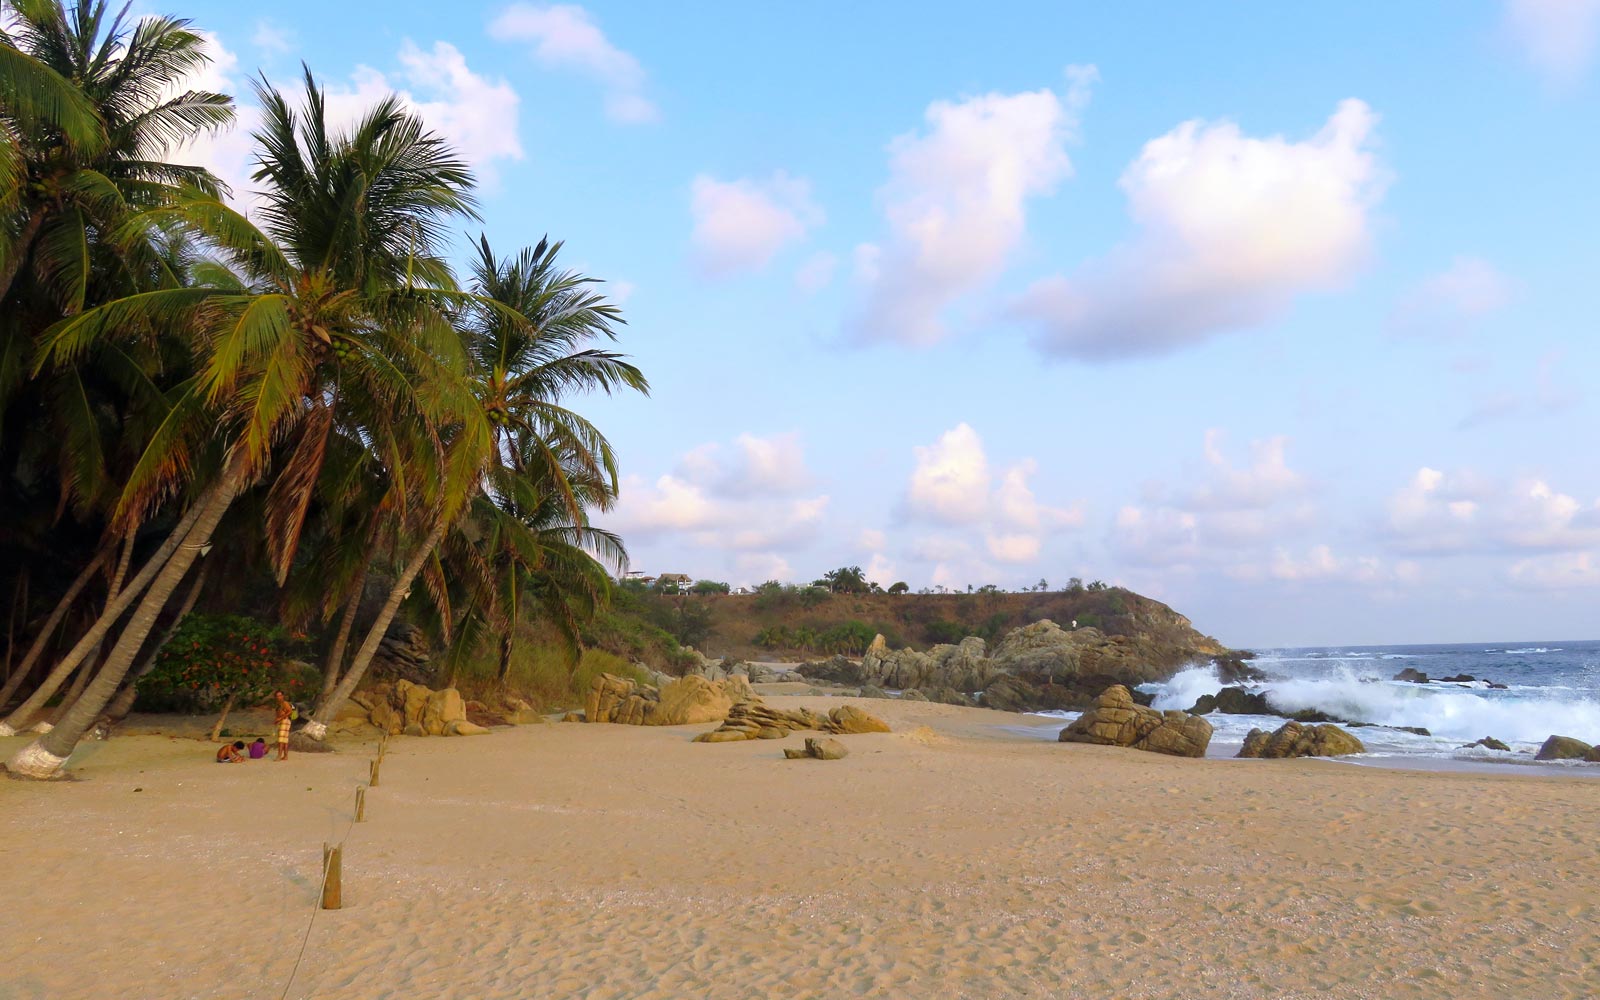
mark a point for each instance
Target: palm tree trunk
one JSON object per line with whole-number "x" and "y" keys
{"x": 48, "y": 629}
{"x": 79, "y": 681}
{"x": 227, "y": 706}
{"x": 90, "y": 640}
{"x": 122, "y": 704}
{"x": 335, "y": 662}
{"x": 317, "y": 728}
{"x": 20, "y": 248}
{"x": 42, "y": 759}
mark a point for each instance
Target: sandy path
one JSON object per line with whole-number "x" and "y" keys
{"x": 570, "y": 861}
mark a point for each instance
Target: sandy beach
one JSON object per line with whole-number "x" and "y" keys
{"x": 949, "y": 859}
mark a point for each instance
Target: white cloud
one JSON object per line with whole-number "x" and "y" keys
{"x": 1013, "y": 548}
{"x": 956, "y": 204}
{"x": 1566, "y": 571}
{"x": 881, "y": 570}
{"x": 816, "y": 273}
{"x": 759, "y": 567}
{"x": 1228, "y": 519}
{"x": 271, "y": 39}
{"x": 477, "y": 115}
{"x": 951, "y": 480}
{"x": 1455, "y": 514}
{"x": 1550, "y": 394}
{"x": 1231, "y": 230}
{"x": 565, "y": 36}
{"x": 1557, "y": 36}
{"x": 1452, "y": 300}
{"x": 740, "y": 225}
{"x": 753, "y": 467}
{"x": 872, "y": 539}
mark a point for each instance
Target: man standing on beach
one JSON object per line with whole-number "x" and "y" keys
{"x": 284, "y": 716}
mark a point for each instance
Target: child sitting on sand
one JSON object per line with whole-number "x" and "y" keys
{"x": 258, "y": 749}
{"x": 229, "y": 753}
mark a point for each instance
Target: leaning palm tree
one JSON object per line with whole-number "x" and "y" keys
{"x": 341, "y": 325}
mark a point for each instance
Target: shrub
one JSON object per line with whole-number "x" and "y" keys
{"x": 212, "y": 658}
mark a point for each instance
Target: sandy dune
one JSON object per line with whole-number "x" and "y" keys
{"x": 951, "y": 859}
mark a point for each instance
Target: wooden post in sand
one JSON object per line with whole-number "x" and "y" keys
{"x": 372, "y": 782}
{"x": 332, "y": 893}
{"x": 361, "y": 805}
{"x": 383, "y": 745}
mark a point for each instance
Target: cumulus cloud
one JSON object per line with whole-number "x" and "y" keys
{"x": 1566, "y": 571}
{"x": 1451, "y": 301}
{"x": 951, "y": 480}
{"x": 477, "y": 115}
{"x": 952, "y": 485}
{"x": 740, "y": 225}
{"x": 1320, "y": 564}
{"x": 746, "y": 501}
{"x": 753, "y": 467}
{"x": 1228, "y": 518}
{"x": 565, "y": 36}
{"x": 956, "y": 204}
{"x": 1232, "y": 229}
{"x": 1557, "y": 37}
{"x": 1447, "y": 514}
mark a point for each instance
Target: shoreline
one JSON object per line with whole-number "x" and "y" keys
{"x": 944, "y": 859}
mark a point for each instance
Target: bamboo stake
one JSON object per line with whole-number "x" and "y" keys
{"x": 361, "y": 805}
{"x": 332, "y": 892}
{"x": 372, "y": 782}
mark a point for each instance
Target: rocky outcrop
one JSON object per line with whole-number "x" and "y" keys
{"x": 681, "y": 701}
{"x": 1037, "y": 666}
{"x": 411, "y": 709}
{"x": 1412, "y": 675}
{"x": 1488, "y": 743}
{"x": 756, "y": 720}
{"x": 1233, "y": 701}
{"x": 818, "y": 748}
{"x": 1117, "y": 720}
{"x": 403, "y": 654}
{"x": 1294, "y": 739}
{"x": 1565, "y": 748}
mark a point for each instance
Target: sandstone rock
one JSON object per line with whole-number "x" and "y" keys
{"x": 573, "y": 717}
{"x": 1294, "y": 739}
{"x": 1413, "y": 675}
{"x": 691, "y": 700}
{"x": 1563, "y": 748}
{"x": 825, "y": 748}
{"x": 1117, "y": 720}
{"x": 850, "y": 719}
{"x": 912, "y": 694}
{"x": 950, "y": 696}
{"x": 442, "y": 708}
{"x": 412, "y": 729}
{"x": 464, "y": 728}
{"x": 872, "y": 691}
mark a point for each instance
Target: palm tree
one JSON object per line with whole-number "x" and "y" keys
{"x": 341, "y": 324}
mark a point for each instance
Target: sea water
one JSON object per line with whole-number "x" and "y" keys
{"x": 1549, "y": 688}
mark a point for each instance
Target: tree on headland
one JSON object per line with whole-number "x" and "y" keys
{"x": 846, "y": 580}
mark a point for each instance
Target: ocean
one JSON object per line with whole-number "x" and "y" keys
{"x": 1549, "y": 688}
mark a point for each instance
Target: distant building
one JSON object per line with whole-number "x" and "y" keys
{"x": 674, "y": 580}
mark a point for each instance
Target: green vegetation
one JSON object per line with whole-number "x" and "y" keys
{"x": 305, "y": 414}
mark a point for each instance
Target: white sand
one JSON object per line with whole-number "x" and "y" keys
{"x": 956, "y": 860}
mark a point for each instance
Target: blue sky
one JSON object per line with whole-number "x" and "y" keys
{"x": 1281, "y": 315}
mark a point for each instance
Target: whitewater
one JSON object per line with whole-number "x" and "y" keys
{"x": 1522, "y": 692}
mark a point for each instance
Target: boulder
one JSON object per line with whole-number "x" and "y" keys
{"x": 1488, "y": 743}
{"x": 872, "y": 691}
{"x": 1117, "y": 720}
{"x": 1294, "y": 739}
{"x": 1233, "y": 701}
{"x": 1457, "y": 679}
{"x": 1232, "y": 668}
{"x": 912, "y": 694}
{"x": 692, "y": 700}
{"x": 950, "y": 696}
{"x": 1413, "y": 675}
{"x": 1563, "y": 748}
{"x": 822, "y": 748}
{"x": 441, "y": 709}
{"x": 464, "y": 728}
{"x": 850, "y": 719}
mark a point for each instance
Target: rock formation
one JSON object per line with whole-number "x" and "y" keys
{"x": 1117, "y": 720}
{"x": 1566, "y": 748}
{"x": 756, "y": 720}
{"x": 1293, "y": 739}
{"x": 820, "y": 748}
{"x": 410, "y": 709}
{"x": 1413, "y": 675}
{"x": 1488, "y": 743}
{"x": 680, "y": 701}
{"x": 1233, "y": 701}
